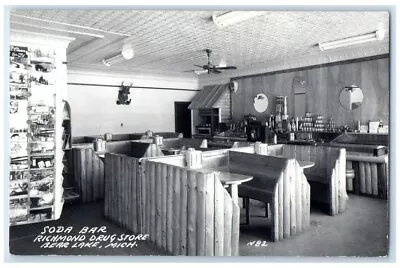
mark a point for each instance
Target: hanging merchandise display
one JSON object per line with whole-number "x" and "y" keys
{"x": 35, "y": 192}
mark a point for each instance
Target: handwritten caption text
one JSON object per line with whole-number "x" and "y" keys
{"x": 86, "y": 237}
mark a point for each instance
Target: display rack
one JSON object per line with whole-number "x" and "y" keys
{"x": 69, "y": 194}
{"x": 37, "y": 84}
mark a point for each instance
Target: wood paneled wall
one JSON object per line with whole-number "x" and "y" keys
{"x": 224, "y": 104}
{"x": 323, "y": 86}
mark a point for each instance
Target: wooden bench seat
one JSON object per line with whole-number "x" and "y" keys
{"x": 256, "y": 193}
{"x": 319, "y": 190}
{"x": 279, "y": 182}
{"x": 317, "y": 178}
{"x": 327, "y": 177}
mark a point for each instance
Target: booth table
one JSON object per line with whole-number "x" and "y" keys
{"x": 305, "y": 164}
{"x": 231, "y": 180}
{"x": 171, "y": 151}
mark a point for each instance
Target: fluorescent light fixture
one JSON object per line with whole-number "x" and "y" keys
{"x": 113, "y": 60}
{"x": 233, "y": 17}
{"x": 127, "y": 53}
{"x": 67, "y": 24}
{"x": 375, "y": 36}
{"x": 58, "y": 29}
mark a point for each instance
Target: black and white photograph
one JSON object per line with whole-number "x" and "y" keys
{"x": 45, "y": 120}
{"x": 18, "y": 149}
{"x": 209, "y": 131}
{"x": 18, "y": 92}
{"x": 19, "y": 175}
{"x": 41, "y": 161}
{"x": 18, "y": 209}
{"x": 18, "y": 188}
{"x": 18, "y": 77}
{"x": 19, "y": 57}
{"x": 40, "y": 108}
{"x": 41, "y": 147}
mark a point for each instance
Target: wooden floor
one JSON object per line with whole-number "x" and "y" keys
{"x": 360, "y": 231}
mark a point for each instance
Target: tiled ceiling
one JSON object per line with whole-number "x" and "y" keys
{"x": 173, "y": 41}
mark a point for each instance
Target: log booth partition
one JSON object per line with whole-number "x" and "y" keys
{"x": 160, "y": 196}
{"x": 122, "y": 137}
{"x": 181, "y": 142}
{"x": 185, "y": 211}
{"x": 88, "y": 168}
{"x": 368, "y": 159}
{"x": 371, "y": 174}
{"x": 88, "y": 174}
{"x": 327, "y": 177}
{"x": 189, "y": 212}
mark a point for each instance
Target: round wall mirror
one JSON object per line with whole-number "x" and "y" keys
{"x": 260, "y": 103}
{"x": 351, "y": 97}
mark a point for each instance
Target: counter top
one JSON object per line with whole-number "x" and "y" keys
{"x": 375, "y": 150}
{"x": 220, "y": 144}
{"x": 230, "y": 138}
{"x": 299, "y": 142}
{"x": 82, "y": 145}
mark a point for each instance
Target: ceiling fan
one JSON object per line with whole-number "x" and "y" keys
{"x": 210, "y": 68}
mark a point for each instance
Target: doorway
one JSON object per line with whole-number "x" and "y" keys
{"x": 183, "y": 119}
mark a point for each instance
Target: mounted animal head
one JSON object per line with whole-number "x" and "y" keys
{"x": 123, "y": 93}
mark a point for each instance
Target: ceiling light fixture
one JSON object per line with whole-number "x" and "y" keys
{"x": 67, "y": 24}
{"x": 198, "y": 72}
{"x": 375, "y": 36}
{"x": 222, "y": 63}
{"x": 127, "y": 53}
{"x": 113, "y": 60}
{"x": 58, "y": 29}
{"x": 233, "y": 17}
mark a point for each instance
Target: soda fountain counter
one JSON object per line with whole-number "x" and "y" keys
{"x": 367, "y": 158}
